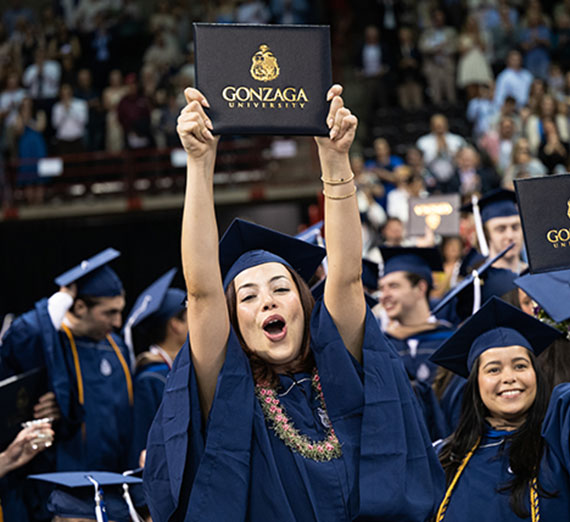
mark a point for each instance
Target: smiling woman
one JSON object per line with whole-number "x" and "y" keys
{"x": 276, "y": 408}
{"x": 510, "y": 454}
{"x": 507, "y": 384}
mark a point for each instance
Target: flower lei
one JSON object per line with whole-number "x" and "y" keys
{"x": 563, "y": 327}
{"x": 321, "y": 451}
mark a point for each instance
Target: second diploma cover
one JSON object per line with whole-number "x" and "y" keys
{"x": 264, "y": 79}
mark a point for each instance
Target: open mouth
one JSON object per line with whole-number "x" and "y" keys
{"x": 275, "y": 328}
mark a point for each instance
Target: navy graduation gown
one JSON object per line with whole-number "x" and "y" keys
{"x": 451, "y": 401}
{"x": 237, "y": 469}
{"x": 148, "y": 389}
{"x": 103, "y": 444}
{"x": 476, "y": 497}
{"x": 417, "y": 364}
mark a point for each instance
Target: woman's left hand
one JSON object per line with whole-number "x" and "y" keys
{"x": 341, "y": 122}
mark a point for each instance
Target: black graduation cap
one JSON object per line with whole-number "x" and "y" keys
{"x": 245, "y": 245}
{"x": 158, "y": 302}
{"x": 497, "y": 282}
{"x": 545, "y": 216}
{"x": 497, "y": 324}
{"x": 319, "y": 289}
{"x": 550, "y": 290}
{"x": 419, "y": 261}
{"x": 472, "y": 259}
{"x": 496, "y": 203}
{"x": 370, "y": 274}
{"x": 264, "y": 79}
{"x": 93, "y": 276}
{"x": 313, "y": 234}
{"x": 79, "y": 494}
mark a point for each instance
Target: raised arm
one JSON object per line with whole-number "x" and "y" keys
{"x": 344, "y": 294}
{"x": 208, "y": 319}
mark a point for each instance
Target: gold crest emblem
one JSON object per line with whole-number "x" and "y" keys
{"x": 264, "y": 67}
{"x": 433, "y": 221}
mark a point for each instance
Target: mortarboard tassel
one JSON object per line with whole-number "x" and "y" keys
{"x": 100, "y": 510}
{"x": 476, "y": 292}
{"x": 128, "y": 330}
{"x": 135, "y": 517}
{"x": 479, "y": 226}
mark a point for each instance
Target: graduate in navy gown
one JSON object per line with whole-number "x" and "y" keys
{"x": 405, "y": 286}
{"x": 158, "y": 329}
{"x": 498, "y": 225}
{"x": 71, "y": 335}
{"x": 283, "y": 409}
{"x": 479, "y": 285}
{"x": 509, "y": 458}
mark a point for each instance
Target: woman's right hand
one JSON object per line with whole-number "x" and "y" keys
{"x": 194, "y": 127}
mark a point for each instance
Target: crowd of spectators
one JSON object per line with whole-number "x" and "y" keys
{"x": 106, "y": 75}
{"x": 503, "y": 65}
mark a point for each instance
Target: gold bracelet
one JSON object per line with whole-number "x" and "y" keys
{"x": 340, "y": 181}
{"x": 344, "y": 196}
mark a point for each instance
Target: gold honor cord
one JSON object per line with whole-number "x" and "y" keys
{"x": 125, "y": 368}
{"x": 78, "y": 367}
{"x": 534, "y": 509}
{"x": 75, "y": 363}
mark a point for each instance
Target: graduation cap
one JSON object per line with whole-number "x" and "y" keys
{"x": 370, "y": 274}
{"x": 313, "y": 234}
{"x": 550, "y": 290}
{"x": 472, "y": 259}
{"x": 545, "y": 217}
{"x": 158, "y": 302}
{"x": 79, "y": 494}
{"x": 496, "y": 280}
{"x": 319, "y": 289}
{"x": 497, "y": 324}
{"x": 496, "y": 203}
{"x": 419, "y": 261}
{"x": 245, "y": 245}
{"x": 93, "y": 276}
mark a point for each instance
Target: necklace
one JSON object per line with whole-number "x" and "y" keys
{"x": 275, "y": 414}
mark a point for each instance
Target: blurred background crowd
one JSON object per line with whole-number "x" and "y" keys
{"x": 453, "y": 96}
{"x": 467, "y": 95}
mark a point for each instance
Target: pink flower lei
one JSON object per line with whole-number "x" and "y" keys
{"x": 274, "y": 413}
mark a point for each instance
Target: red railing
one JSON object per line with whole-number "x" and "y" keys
{"x": 129, "y": 174}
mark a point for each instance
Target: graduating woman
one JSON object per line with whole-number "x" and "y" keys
{"x": 283, "y": 409}
{"x": 509, "y": 458}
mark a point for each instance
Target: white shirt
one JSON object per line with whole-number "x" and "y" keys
{"x": 69, "y": 122}
{"x": 50, "y": 77}
{"x": 428, "y": 145}
{"x": 397, "y": 203}
{"x": 513, "y": 83}
{"x": 10, "y": 101}
{"x": 371, "y": 60}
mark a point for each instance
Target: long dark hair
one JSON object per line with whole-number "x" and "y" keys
{"x": 304, "y": 362}
{"x": 526, "y": 443}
